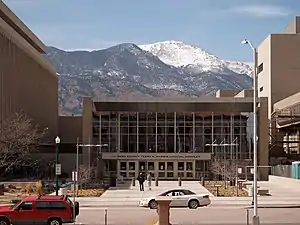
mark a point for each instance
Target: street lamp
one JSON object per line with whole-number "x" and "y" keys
{"x": 255, "y": 219}
{"x": 57, "y": 166}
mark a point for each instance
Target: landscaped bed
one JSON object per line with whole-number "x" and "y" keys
{"x": 88, "y": 192}
{"x": 16, "y": 192}
{"x": 229, "y": 191}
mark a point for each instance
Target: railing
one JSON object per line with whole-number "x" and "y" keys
{"x": 282, "y": 171}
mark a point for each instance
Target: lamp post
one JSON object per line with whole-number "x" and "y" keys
{"x": 255, "y": 219}
{"x": 57, "y": 164}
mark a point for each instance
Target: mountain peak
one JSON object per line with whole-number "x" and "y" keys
{"x": 180, "y": 54}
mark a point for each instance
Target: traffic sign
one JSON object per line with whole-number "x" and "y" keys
{"x": 74, "y": 176}
{"x": 58, "y": 169}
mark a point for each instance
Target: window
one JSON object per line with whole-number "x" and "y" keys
{"x": 161, "y": 165}
{"x": 260, "y": 68}
{"x": 57, "y": 205}
{"x": 26, "y": 206}
{"x": 44, "y": 205}
{"x": 261, "y": 89}
{"x": 123, "y": 165}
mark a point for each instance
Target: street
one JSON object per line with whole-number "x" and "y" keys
{"x": 208, "y": 216}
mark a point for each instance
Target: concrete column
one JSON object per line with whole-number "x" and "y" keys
{"x": 175, "y": 133}
{"x": 194, "y": 132}
{"x": 155, "y": 131}
{"x": 118, "y": 132}
{"x": 163, "y": 209}
{"x": 263, "y": 138}
{"x": 87, "y": 124}
{"x": 137, "y": 131}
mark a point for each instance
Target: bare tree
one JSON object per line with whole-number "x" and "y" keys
{"x": 225, "y": 167}
{"x": 85, "y": 173}
{"x": 19, "y": 137}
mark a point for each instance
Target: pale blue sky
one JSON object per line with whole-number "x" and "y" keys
{"x": 214, "y": 25}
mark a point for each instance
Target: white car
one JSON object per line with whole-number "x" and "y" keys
{"x": 180, "y": 198}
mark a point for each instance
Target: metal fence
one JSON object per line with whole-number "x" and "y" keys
{"x": 282, "y": 171}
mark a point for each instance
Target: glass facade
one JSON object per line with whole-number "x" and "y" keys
{"x": 184, "y": 132}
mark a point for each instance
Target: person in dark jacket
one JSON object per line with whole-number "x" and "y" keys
{"x": 141, "y": 180}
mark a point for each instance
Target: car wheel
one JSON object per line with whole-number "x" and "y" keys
{"x": 54, "y": 221}
{"x": 4, "y": 221}
{"x": 153, "y": 204}
{"x": 193, "y": 204}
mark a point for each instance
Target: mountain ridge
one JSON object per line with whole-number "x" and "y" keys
{"x": 128, "y": 70}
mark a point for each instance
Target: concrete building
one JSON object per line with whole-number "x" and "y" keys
{"x": 171, "y": 137}
{"x": 27, "y": 82}
{"x": 278, "y": 79}
{"x": 278, "y": 64}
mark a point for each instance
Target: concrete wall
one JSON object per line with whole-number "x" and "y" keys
{"x": 264, "y": 77}
{"x": 226, "y": 93}
{"x": 12, "y": 20}
{"x": 27, "y": 82}
{"x": 293, "y": 27}
{"x": 263, "y": 138}
{"x": 68, "y": 161}
{"x": 245, "y": 94}
{"x": 285, "y": 68}
{"x": 87, "y": 128}
{"x": 70, "y": 128}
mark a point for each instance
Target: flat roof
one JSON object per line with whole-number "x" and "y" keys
{"x": 201, "y": 104}
{"x": 13, "y": 21}
{"x": 288, "y": 102}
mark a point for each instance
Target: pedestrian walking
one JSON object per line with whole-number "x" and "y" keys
{"x": 141, "y": 180}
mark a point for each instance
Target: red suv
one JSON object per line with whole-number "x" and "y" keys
{"x": 50, "y": 210}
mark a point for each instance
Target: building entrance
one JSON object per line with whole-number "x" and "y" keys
{"x": 164, "y": 170}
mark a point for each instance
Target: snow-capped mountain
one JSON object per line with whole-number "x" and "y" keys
{"x": 183, "y": 55}
{"x": 126, "y": 71}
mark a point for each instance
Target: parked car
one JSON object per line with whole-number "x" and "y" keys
{"x": 50, "y": 210}
{"x": 180, "y": 198}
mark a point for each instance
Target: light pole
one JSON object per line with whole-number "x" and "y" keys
{"x": 77, "y": 160}
{"x": 255, "y": 219}
{"x": 57, "y": 164}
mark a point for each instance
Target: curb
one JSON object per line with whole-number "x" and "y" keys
{"x": 107, "y": 206}
{"x": 275, "y": 207}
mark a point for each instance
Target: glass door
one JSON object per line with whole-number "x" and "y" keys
{"x": 151, "y": 168}
{"x": 161, "y": 170}
{"x": 142, "y": 168}
{"x": 170, "y": 170}
{"x": 131, "y": 168}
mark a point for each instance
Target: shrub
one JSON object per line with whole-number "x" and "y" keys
{"x": 39, "y": 187}
{"x": 11, "y": 186}
{"x": 29, "y": 188}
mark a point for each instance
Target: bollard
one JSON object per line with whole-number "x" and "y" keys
{"x": 105, "y": 217}
{"x": 133, "y": 182}
{"x": 156, "y": 181}
{"x": 163, "y": 210}
{"x": 202, "y": 181}
{"x": 247, "y": 216}
{"x": 179, "y": 181}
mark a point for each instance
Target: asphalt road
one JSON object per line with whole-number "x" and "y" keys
{"x": 201, "y": 216}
